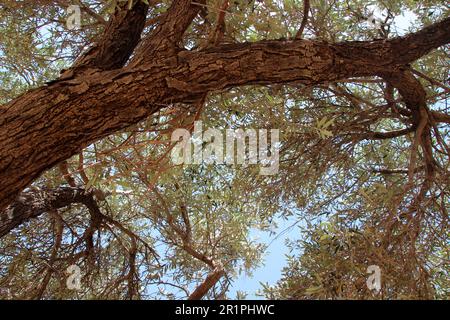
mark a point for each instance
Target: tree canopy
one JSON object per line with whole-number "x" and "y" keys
{"x": 358, "y": 90}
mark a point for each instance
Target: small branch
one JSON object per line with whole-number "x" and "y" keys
{"x": 33, "y": 203}
{"x": 440, "y": 117}
{"x": 187, "y": 222}
{"x": 387, "y": 135}
{"x": 84, "y": 7}
{"x": 306, "y": 7}
{"x": 92, "y": 13}
{"x": 58, "y": 234}
{"x": 83, "y": 175}
{"x": 64, "y": 168}
{"x": 431, "y": 80}
{"x": 169, "y": 32}
{"x": 414, "y": 149}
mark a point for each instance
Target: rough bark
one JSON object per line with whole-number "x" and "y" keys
{"x": 33, "y": 203}
{"x": 207, "y": 284}
{"x": 121, "y": 36}
{"x": 48, "y": 125}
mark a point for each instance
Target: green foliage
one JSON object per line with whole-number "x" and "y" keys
{"x": 331, "y": 177}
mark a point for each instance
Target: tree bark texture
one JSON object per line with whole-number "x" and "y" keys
{"x": 101, "y": 95}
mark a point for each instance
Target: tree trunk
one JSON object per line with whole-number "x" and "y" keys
{"x": 99, "y": 96}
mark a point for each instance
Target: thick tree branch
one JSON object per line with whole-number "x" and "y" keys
{"x": 33, "y": 203}
{"x": 121, "y": 36}
{"x": 171, "y": 27}
{"x": 440, "y": 117}
{"x": 416, "y": 45}
{"x": 217, "y": 34}
{"x": 50, "y": 124}
{"x": 207, "y": 284}
{"x": 306, "y": 7}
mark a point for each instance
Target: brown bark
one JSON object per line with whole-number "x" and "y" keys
{"x": 48, "y": 125}
{"x": 207, "y": 284}
{"x": 33, "y": 203}
{"x": 306, "y": 8}
{"x": 121, "y": 36}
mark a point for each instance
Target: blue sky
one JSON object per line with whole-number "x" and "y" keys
{"x": 274, "y": 259}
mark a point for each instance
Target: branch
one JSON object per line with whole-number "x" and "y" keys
{"x": 84, "y": 7}
{"x": 169, "y": 32}
{"x": 58, "y": 234}
{"x": 206, "y": 285}
{"x": 33, "y": 203}
{"x": 397, "y": 51}
{"x": 64, "y": 168}
{"x": 217, "y": 34}
{"x": 414, "y": 96}
{"x": 118, "y": 41}
{"x": 50, "y": 124}
{"x": 440, "y": 117}
{"x": 306, "y": 7}
{"x": 387, "y": 135}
